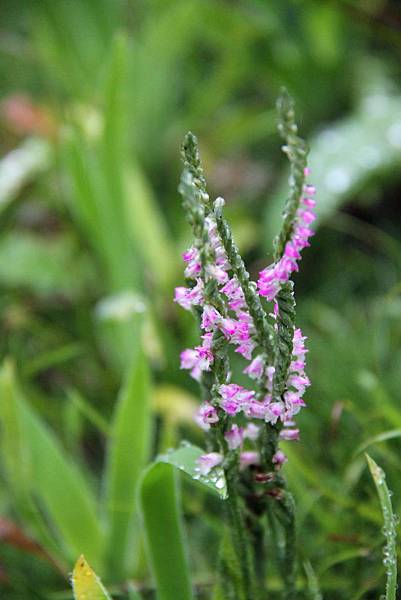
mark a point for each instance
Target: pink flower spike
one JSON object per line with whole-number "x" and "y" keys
{"x": 207, "y": 462}
{"x": 248, "y": 458}
{"x": 307, "y": 171}
{"x": 234, "y": 437}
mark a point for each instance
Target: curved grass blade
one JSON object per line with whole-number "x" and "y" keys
{"x": 381, "y": 437}
{"x": 86, "y": 584}
{"x": 161, "y": 511}
{"x": 390, "y": 551}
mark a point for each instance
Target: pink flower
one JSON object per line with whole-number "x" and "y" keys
{"x": 217, "y": 273}
{"x": 274, "y": 411}
{"x": 210, "y": 317}
{"x": 234, "y": 437}
{"x": 279, "y": 458}
{"x": 206, "y": 416}
{"x": 256, "y": 410}
{"x": 189, "y": 297}
{"x": 289, "y": 434}
{"x": 190, "y": 254}
{"x": 207, "y": 462}
{"x": 255, "y": 368}
{"x": 235, "y": 398}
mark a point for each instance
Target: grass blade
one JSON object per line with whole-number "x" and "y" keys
{"x": 160, "y": 504}
{"x": 390, "y": 551}
{"x": 86, "y": 584}
{"x": 48, "y": 476}
{"x": 127, "y": 454}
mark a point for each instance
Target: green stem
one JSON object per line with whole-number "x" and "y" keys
{"x": 285, "y": 511}
{"x": 241, "y": 542}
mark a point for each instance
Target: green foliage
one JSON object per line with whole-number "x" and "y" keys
{"x": 160, "y": 504}
{"x": 39, "y": 472}
{"x": 86, "y": 584}
{"x": 91, "y": 232}
{"x": 128, "y": 453}
{"x": 390, "y": 551}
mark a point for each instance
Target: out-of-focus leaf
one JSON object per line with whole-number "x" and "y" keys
{"x": 47, "y": 475}
{"x": 88, "y": 411}
{"x": 381, "y": 437}
{"x": 313, "y": 583}
{"x": 148, "y": 228}
{"x": 21, "y": 165}
{"x": 44, "y": 265}
{"x": 86, "y": 584}
{"x": 162, "y": 518}
{"x": 348, "y": 154}
{"x": 51, "y": 358}
{"x": 390, "y": 550}
{"x": 128, "y": 451}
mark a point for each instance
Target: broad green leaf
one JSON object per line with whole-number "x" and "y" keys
{"x": 161, "y": 510}
{"x": 48, "y": 476}
{"x": 186, "y": 459}
{"x": 127, "y": 454}
{"x": 86, "y": 584}
{"x": 390, "y": 550}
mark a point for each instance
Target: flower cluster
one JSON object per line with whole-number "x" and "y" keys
{"x": 240, "y": 412}
{"x": 232, "y": 319}
{"x": 272, "y": 278}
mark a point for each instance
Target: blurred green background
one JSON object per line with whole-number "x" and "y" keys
{"x": 96, "y": 96}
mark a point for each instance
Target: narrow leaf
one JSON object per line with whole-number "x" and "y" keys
{"x": 390, "y": 551}
{"x": 86, "y": 584}
{"x": 160, "y": 504}
{"x": 47, "y": 475}
{"x": 127, "y": 454}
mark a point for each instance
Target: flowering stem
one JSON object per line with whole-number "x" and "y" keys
{"x": 240, "y": 539}
{"x": 231, "y": 313}
{"x": 297, "y": 151}
{"x": 251, "y": 297}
